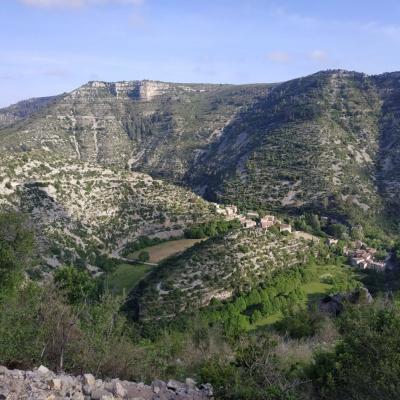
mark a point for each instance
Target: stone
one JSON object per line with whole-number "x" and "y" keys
{"x": 119, "y": 390}
{"x": 87, "y": 389}
{"x": 55, "y": 384}
{"x": 174, "y": 385}
{"x": 15, "y": 384}
{"x": 99, "y": 383}
{"x": 77, "y": 396}
{"x": 208, "y": 389}
{"x": 156, "y": 389}
{"x": 97, "y": 394}
{"x": 3, "y": 370}
{"x": 88, "y": 379}
{"x": 43, "y": 370}
{"x": 158, "y": 385}
{"x": 107, "y": 396}
{"x": 190, "y": 383}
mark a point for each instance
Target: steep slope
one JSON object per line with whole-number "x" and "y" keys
{"x": 310, "y": 143}
{"x": 81, "y": 210}
{"x": 328, "y": 142}
{"x": 156, "y": 127}
{"x": 388, "y": 165}
{"x": 217, "y": 268}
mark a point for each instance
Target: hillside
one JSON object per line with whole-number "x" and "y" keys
{"x": 80, "y": 210}
{"x": 24, "y": 109}
{"x": 218, "y": 268}
{"x": 153, "y": 126}
{"x": 326, "y": 142}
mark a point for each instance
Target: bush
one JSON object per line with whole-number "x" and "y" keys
{"x": 365, "y": 363}
{"x": 300, "y": 324}
{"x": 144, "y": 256}
{"x": 211, "y": 229}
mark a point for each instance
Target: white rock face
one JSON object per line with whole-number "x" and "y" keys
{"x": 150, "y": 89}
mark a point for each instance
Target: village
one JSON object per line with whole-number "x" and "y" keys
{"x": 364, "y": 257}
{"x": 250, "y": 219}
{"x": 359, "y": 254}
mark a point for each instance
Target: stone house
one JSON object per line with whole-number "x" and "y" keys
{"x": 249, "y": 223}
{"x": 285, "y": 228}
{"x": 231, "y": 210}
{"x": 267, "y": 221}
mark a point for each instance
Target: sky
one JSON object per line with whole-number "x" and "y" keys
{"x": 49, "y": 47}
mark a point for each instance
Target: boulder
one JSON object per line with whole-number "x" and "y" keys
{"x": 175, "y": 385}
{"x": 88, "y": 379}
{"x": 98, "y": 394}
{"x": 119, "y": 390}
{"x": 43, "y": 370}
{"x": 190, "y": 383}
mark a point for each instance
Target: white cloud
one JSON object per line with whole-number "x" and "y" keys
{"x": 319, "y": 55}
{"x": 279, "y": 57}
{"x": 76, "y": 3}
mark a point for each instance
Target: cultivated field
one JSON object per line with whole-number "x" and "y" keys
{"x": 164, "y": 250}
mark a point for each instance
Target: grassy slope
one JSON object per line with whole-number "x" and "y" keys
{"x": 126, "y": 276}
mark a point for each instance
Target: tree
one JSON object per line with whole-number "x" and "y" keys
{"x": 365, "y": 364}
{"x": 16, "y": 248}
{"x": 338, "y": 230}
{"x": 77, "y": 285}
{"x": 144, "y": 256}
{"x": 314, "y": 222}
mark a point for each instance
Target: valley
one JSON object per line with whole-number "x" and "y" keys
{"x": 238, "y": 234}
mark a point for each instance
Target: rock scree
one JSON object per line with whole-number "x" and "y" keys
{"x": 43, "y": 384}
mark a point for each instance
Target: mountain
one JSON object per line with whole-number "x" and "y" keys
{"x": 327, "y": 142}
{"x": 82, "y": 210}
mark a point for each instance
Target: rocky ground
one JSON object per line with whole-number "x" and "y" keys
{"x": 45, "y": 384}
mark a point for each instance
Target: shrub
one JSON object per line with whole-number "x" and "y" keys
{"x": 144, "y": 256}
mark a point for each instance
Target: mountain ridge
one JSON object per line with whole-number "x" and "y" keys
{"x": 325, "y": 142}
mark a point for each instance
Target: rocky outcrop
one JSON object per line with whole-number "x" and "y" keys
{"x": 43, "y": 384}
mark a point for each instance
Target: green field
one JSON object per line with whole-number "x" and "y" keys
{"x": 126, "y": 276}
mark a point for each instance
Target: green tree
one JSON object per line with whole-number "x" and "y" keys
{"x": 365, "y": 365}
{"x": 77, "y": 285}
{"x": 144, "y": 256}
{"x": 16, "y": 249}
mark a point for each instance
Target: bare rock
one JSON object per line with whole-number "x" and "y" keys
{"x": 119, "y": 390}
{"x": 175, "y": 385}
{"x": 43, "y": 370}
{"x": 87, "y": 389}
{"x": 88, "y": 379}
{"x": 55, "y": 384}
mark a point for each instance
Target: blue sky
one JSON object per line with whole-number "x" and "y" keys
{"x": 51, "y": 46}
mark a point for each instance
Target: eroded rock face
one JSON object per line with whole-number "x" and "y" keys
{"x": 44, "y": 384}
